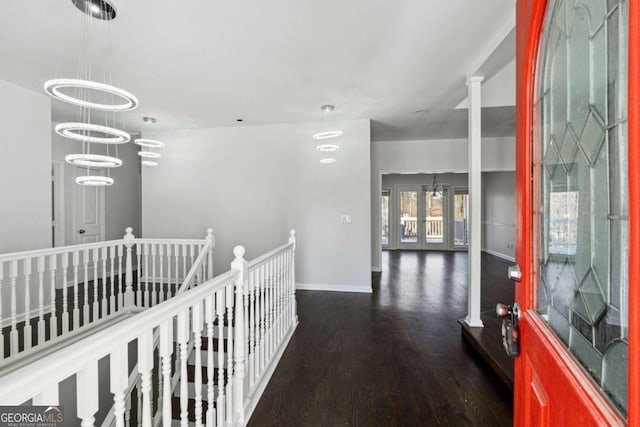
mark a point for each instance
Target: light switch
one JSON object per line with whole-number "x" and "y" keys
{"x": 345, "y": 219}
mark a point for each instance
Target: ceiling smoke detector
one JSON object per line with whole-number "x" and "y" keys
{"x": 149, "y": 120}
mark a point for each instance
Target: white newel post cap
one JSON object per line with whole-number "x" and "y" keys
{"x": 292, "y": 235}
{"x": 239, "y": 252}
{"x": 129, "y": 233}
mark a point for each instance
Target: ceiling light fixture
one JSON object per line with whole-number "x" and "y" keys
{"x": 327, "y": 134}
{"x": 54, "y": 88}
{"x": 149, "y": 155}
{"x": 327, "y": 148}
{"x": 93, "y": 161}
{"x": 150, "y": 163}
{"x": 89, "y": 95}
{"x": 86, "y": 132}
{"x": 328, "y": 161}
{"x": 149, "y": 143}
{"x": 94, "y": 180}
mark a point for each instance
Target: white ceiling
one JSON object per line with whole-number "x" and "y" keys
{"x": 198, "y": 63}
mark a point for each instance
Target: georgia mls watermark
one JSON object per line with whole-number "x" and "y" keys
{"x": 31, "y": 416}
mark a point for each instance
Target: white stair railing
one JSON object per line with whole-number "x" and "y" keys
{"x": 220, "y": 312}
{"x": 50, "y": 294}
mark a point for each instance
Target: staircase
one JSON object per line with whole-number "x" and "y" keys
{"x": 200, "y": 355}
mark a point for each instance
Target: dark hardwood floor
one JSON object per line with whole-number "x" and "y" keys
{"x": 393, "y": 358}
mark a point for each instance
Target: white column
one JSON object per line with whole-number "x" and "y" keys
{"x": 475, "y": 202}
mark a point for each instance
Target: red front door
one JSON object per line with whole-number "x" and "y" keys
{"x": 578, "y": 212}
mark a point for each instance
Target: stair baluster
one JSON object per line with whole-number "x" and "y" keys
{"x": 114, "y": 288}
{"x": 13, "y": 277}
{"x": 85, "y": 305}
{"x": 220, "y": 401}
{"x": 153, "y": 298}
{"x": 40, "y": 325}
{"x": 119, "y": 380}
{"x": 145, "y": 366}
{"x": 105, "y": 298}
{"x": 27, "y": 303}
{"x": 53, "y": 320}
{"x": 196, "y": 312}
{"x": 95, "y": 310}
{"x": 65, "y": 291}
{"x": 166, "y": 350}
{"x": 183, "y": 341}
{"x": 87, "y": 393}
{"x": 209, "y": 314}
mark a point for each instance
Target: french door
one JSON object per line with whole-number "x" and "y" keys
{"x": 422, "y": 218}
{"x": 577, "y": 213}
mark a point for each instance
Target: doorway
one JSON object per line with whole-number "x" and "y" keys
{"x": 423, "y": 217}
{"x": 88, "y": 211}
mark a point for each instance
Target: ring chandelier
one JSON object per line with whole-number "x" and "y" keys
{"x": 95, "y": 161}
{"x": 149, "y": 155}
{"x": 327, "y": 148}
{"x": 327, "y": 135}
{"x": 73, "y": 131}
{"x": 149, "y": 143}
{"x": 88, "y": 95}
{"x": 328, "y": 161}
{"x": 150, "y": 163}
{"x": 53, "y": 87}
{"x": 94, "y": 180}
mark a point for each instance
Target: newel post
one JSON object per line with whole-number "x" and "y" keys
{"x": 211, "y": 241}
{"x": 128, "y": 278}
{"x": 240, "y": 265}
{"x": 292, "y": 267}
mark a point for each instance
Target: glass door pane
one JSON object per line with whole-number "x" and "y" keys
{"x": 434, "y": 217}
{"x": 408, "y": 216}
{"x": 582, "y": 197}
{"x": 461, "y": 219}
{"x": 384, "y": 209}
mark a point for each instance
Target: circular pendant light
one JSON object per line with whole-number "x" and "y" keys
{"x": 94, "y": 181}
{"x": 327, "y": 148}
{"x": 93, "y": 161}
{"x": 99, "y": 9}
{"x": 149, "y": 155}
{"x": 54, "y": 88}
{"x": 328, "y": 161}
{"x": 149, "y": 143}
{"x": 73, "y": 131}
{"x": 150, "y": 163}
{"x": 327, "y": 135}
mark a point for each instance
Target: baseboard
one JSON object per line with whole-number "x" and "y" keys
{"x": 333, "y": 288}
{"x": 20, "y": 317}
{"x": 499, "y": 255}
{"x": 376, "y": 269}
{"x": 250, "y": 404}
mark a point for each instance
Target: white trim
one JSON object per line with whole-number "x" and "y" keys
{"x": 499, "y": 224}
{"x": 499, "y": 255}
{"x": 20, "y": 317}
{"x": 333, "y": 288}
{"x": 250, "y": 404}
{"x": 376, "y": 269}
{"x": 57, "y": 176}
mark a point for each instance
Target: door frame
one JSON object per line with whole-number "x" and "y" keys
{"x": 75, "y": 196}
{"x": 530, "y": 16}
{"x": 57, "y": 178}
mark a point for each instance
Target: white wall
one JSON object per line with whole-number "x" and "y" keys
{"x": 499, "y": 213}
{"x": 253, "y": 183}
{"x": 430, "y": 156}
{"x": 25, "y": 169}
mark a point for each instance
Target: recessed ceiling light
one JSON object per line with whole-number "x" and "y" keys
{"x": 328, "y": 161}
{"x": 239, "y": 120}
{"x": 421, "y": 111}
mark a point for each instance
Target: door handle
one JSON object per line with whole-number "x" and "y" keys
{"x": 514, "y": 273}
{"x": 510, "y": 331}
{"x": 81, "y": 231}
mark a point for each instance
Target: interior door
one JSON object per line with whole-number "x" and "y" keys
{"x": 576, "y": 239}
{"x": 88, "y": 211}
